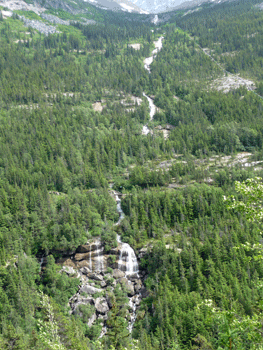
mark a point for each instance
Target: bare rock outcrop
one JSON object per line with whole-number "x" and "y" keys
{"x": 101, "y": 305}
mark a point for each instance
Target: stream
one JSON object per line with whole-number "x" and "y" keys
{"x": 128, "y": 262}
{"x": 147, "y": 62}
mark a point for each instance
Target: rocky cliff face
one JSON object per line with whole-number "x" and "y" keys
{"x": 100, "y": 275}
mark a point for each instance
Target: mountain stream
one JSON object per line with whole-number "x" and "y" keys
{"x": 147, "y": 62}
{"x": 128, "y": 262}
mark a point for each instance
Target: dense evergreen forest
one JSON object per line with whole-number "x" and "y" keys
{"x": 59, "y": 154}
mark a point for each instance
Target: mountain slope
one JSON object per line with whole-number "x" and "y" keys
{"x": 73, "y": 110}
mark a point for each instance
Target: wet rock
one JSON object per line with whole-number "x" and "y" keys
{"x": 88, "y": 289}
{"x": 143, "y": 273}
{"x": 101, "y": 305}
{"x": 118, "y": 273}
{"x": 114, "y": 251}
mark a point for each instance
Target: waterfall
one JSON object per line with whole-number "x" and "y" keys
{"x": 127, "y": 260}
{"x": 90, "y": 261}
{"x": 99, "y": 266}
{"x": 119, "y": 210}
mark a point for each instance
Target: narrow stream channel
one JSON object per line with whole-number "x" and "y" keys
{"x": 147, "y": 62}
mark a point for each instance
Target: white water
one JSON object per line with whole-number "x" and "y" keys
{"x": 119, "y": 210}
{"x": 145, "y": 129}
{"x": 134, "y": 302}
{"x": 127, "y": 260}
{"x": 90, "y": 261}
{"x": 147, "y": 62}
{"x": 99, "y": 265}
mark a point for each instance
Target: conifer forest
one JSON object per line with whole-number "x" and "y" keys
{"x": 131, "y": 166}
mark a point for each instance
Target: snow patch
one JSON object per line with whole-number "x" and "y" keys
{"x": 127, "y": 7}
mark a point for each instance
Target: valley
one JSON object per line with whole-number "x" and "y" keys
{"x": 124, "y": 136}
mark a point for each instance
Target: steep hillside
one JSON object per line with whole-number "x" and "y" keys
{"x": 119, "y": 140}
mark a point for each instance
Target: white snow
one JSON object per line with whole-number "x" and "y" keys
{"x": 127, "y": 7}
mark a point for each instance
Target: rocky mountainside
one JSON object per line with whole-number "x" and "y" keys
{"x": 117, "y": 5}
{"x": 154, "y": 6}
{"x": 100, "y": 274}
{"x": 72, "y": 7}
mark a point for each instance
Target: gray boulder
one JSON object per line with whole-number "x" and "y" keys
{"x": 85, "y": 270}
{"x": 69, "y": 270}
{"x": 101, "y": 305}
{"x": 103, "y": 284}
{"x": 95, "y": 276}
{"x": 88, "y": 289}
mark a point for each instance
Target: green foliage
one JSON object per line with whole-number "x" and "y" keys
{"x": 58, "y": 285}
{"x": 252, "y": 191}
{"x": 57, "y": 154}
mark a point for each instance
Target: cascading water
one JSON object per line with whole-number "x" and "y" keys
{"x": 90, "y": 260}
{"x": 119, "y": 210}
{"x": 129, "y": 264}
{"x": 145, "y": 129}
{"x": 99, "y": 265}
{"x": 127, "y": 260}
{"x": 147, "y": 62}
{"x": 134, "y": 302}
